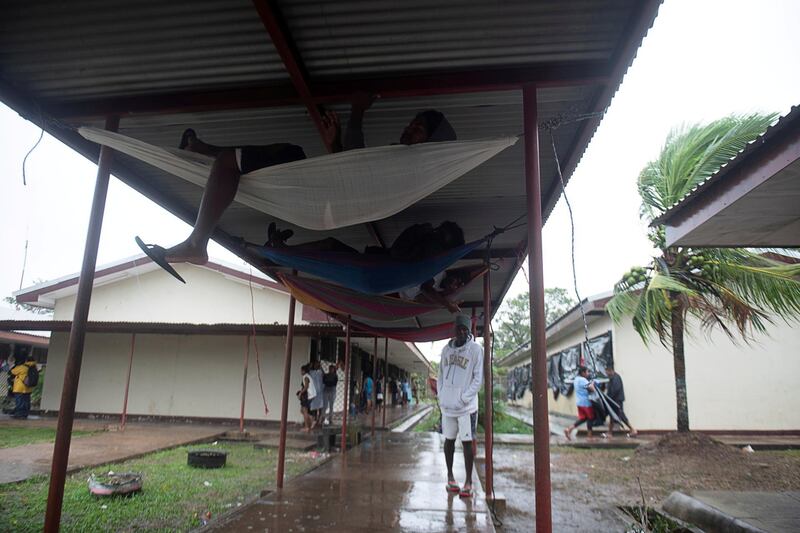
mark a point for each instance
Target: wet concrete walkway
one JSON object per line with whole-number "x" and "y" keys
{"x": 395, "y": 482}
{"x": 21, "y": 462}
{"x": 745, "y": 511}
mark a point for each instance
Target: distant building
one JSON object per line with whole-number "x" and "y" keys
{"x": 189, "y": 342}
{"x": 732, "y": 385}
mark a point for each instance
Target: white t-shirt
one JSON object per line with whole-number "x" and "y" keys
{"x": 311, "y": 391}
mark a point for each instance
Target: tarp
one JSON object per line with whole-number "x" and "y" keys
{"x": 437, "y": 332}
{"x": 330, "y": 191}
{"x": 367, "y": 273}
{"x": 340, "y": 300}
{"x": 601, "y": 354}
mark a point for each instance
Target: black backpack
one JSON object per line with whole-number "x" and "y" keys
{"x": 32, "y": 379}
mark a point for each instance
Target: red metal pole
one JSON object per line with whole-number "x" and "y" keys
{"x": 127, "y": 385}
{"x": 488, "y": 419}
{"x": 244, "y": 380}
{"x": 474, "y": 324}
{"x": 346, "y": 407}
{"x": 374, "y": 384}
{"x": 77, "y": 336}
{"x": 541, "y": 423}
{"x": 287, "y": 372}
{"x": 385, "y": 371}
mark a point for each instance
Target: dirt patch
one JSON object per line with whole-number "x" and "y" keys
{"x": 685, "y": 464}
{"x": 688, "y": 444}
{"x": 589, "y": 484}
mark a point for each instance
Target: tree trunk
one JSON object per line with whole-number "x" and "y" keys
{"x": 680, "y": 364}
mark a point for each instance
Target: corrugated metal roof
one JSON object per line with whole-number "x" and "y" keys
{"x": 367, "y": 37}
{"x": 85, "y": 51}
{"x": 87, "y": 48}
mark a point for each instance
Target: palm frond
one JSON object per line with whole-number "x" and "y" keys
{"x": 691, "y": 154}
{"x": 669, "y": 283}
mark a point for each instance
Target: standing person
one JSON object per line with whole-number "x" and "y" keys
{"x": 393, "y": 390}
{"x": 583, "y": 388}
{"x": 460, "y": 379}
{"x": 318, "y": 401}
{"x": 616, "y": 392}
{"x": 369, "y": 385}
{"x": 329, "y": 380}
{"x": 8, "y": 365}
{"x": 379, "y": 391}
{"x": 306, "y": 394}
{"x": 26, "y": 376}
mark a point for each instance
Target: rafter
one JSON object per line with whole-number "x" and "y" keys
{"x": 332, "y": 91}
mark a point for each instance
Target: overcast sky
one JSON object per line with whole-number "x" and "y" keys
{"x": 703, "y": 59}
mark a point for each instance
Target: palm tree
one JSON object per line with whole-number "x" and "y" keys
{"x": 737, "y": 290}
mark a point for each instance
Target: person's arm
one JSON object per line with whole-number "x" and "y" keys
{"x": 354, "y": 133}
{"x": 477, "y": 378}
{"x": 428, "y": 293}
{"x": 440, "y": 374}
{"x": 17, "y": 370}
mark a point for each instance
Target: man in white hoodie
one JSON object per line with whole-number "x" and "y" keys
{"x": 460, "y": 379}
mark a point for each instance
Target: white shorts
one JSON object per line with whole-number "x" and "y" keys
{"x": 463, "y": 427}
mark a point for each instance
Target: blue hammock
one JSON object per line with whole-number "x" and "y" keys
{"x": 367, "y": 273}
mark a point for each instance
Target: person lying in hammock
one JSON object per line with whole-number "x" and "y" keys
{"x": 416, "y": 243}
{"x": 231, "y": 162}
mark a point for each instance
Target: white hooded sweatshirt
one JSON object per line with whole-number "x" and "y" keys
{"x": 460, "y": 378}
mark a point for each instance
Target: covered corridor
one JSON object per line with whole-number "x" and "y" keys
{"x": 395, "y": 482}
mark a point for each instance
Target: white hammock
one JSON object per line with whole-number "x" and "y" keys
{"x": 330, "y": 191}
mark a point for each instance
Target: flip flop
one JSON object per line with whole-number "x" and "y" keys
{"x": 158, "y": 254}
{"x": 465, "y": 493}
{"x": 452, "y": 486}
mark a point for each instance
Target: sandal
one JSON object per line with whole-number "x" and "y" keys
{"x": 276, "y": 237}
{"x": 453, "y": 487}
{"x": 158, "y": 255}
{"x": 466, "y": 493}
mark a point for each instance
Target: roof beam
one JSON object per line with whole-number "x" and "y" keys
{"x": 160, "y": 328}
{"x": 273, "y": 21}
{"x": 331, "y": 91}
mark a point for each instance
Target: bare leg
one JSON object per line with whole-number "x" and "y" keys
{"x": 449, "y": 452}
{"x": 469, "y": 461}
{"x": 223, "y": 182}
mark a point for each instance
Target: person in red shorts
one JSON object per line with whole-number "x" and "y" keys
{"x": 585, "y": 411}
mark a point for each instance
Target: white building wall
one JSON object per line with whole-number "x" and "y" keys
{"x": 208, "y": 297}
{"x": 732, "y": 386}
{"x": 176, "y": 375}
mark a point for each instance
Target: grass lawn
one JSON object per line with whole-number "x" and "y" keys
{"x": 174, "y": 496}
{"x": 503, "y": 423}
{"x": 430, "y": 422}
{"x": 21, "y": 436}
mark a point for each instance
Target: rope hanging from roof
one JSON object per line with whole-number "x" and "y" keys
{"x": 330, "y": 191}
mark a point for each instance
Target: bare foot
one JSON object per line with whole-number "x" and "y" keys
{"x": 186, "y": 252}
{"x": 567, "y": 434}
